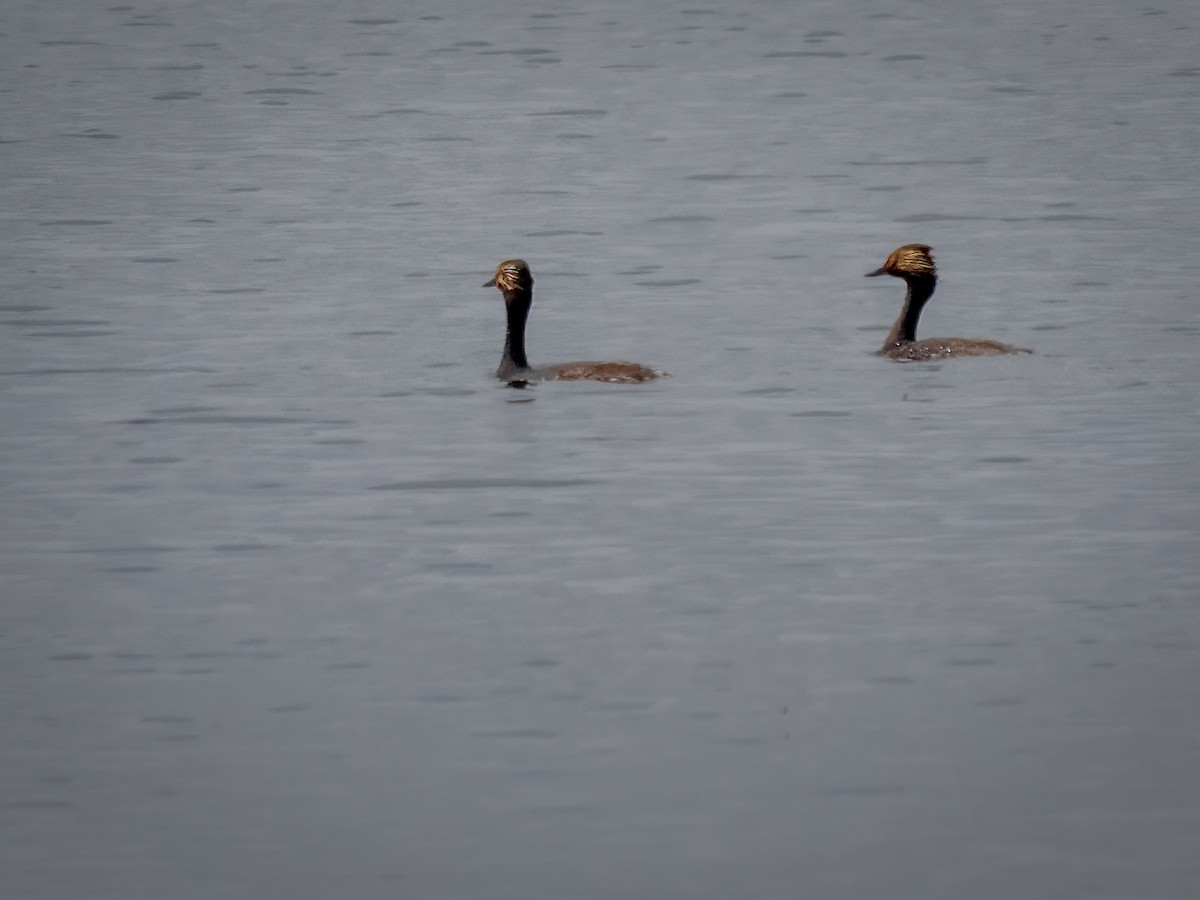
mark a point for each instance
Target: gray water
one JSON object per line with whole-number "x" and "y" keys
{"x": 300, "y": 603}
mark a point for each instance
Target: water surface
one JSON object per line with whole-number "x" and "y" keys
{"x": 299, "y": 602}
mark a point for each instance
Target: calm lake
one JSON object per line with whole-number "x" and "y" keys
{"x": 300, "y": 602}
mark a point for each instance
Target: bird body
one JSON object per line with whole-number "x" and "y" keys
{"x": 515, "y": 282}
{"x": 913, "y": 263}
{"x": 943, "y": 348}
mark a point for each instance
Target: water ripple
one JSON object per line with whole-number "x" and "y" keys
{"x": 471, "y": 484}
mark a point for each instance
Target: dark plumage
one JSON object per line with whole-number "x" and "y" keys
{"x": 515, "y": 282}
{"x": 914, "y": 264}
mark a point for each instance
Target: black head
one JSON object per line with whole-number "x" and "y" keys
{"x": 909, "y": 261}
{"x": 512, "y": 275}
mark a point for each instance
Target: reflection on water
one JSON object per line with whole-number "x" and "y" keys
{"x": 300, "y": 601}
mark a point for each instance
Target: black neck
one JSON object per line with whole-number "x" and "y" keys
{"x": 517, "y": 304}
{"x": 920, "y": 289}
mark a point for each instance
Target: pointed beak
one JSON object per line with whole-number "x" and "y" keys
{"x": 491, "y": 283}
{"x": 880, "y": 271}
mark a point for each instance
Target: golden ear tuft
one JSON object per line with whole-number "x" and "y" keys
{"x": 511, "y": 275}
{"x": 911, "y": 259}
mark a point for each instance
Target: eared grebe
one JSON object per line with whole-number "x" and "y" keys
{"x": 515, "y": 282}
{"x": 914, "y": 263}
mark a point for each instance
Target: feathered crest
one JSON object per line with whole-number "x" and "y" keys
{"x": 512, "y": 275}
{"x": 911, "y": 259}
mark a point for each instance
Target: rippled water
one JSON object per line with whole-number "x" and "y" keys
{"x": 300, "y": 602}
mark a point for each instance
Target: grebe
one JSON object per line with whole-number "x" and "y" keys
{"x": 914, "y": 263}
{"x": 515, "y": 282}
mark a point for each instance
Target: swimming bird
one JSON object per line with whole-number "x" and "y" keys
{"x": 515, "y": 282}
{"x": 914, "y": 263}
